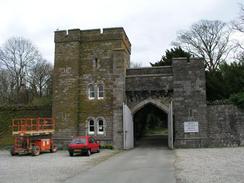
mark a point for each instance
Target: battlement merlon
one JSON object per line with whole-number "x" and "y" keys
{"x": 67, "y": 36}
{"x": 93, "y": 35}
{"x": 197, "y": 62}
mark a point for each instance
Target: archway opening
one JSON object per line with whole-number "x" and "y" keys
{"x": 150, "y": 126}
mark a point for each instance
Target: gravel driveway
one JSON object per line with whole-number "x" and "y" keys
{"x": 48, "y": 167}
{"x": 210, "y": 165}
{"x": 206, "y": 165}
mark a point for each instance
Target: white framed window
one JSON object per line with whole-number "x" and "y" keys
{"x": 91, "y": 91}
{"x": 100, "y": 126}
{"x": 100, "y": 91}
{"x": 91, "y": 126}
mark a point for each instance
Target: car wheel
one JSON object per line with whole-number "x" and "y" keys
{"x": 88, "y": 152}
{"x": 98, "y": 151}
{"x": 53, "y": 149}
{"x": 35, "y": 150}
{"x": 12, "y": 151}
{"x": 71, "y": 153}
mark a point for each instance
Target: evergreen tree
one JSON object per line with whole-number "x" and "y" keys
{"x": 228, "y": 80}
{"x": 170, "y": 54}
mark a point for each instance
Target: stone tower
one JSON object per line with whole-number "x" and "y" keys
{"x": 189, "y": 101}
{"x": 89, "y": 83}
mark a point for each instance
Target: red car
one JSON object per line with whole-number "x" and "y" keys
{"x": 83, "y": 144}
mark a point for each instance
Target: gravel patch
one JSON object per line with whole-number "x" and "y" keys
{"x": 48, "y": 167}
{"x": 210, "y": 165}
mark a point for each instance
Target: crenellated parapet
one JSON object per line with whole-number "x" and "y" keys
{"x": 94, "y": 35}
{"x": 67, "y": 36}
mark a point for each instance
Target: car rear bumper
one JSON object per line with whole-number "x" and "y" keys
{"x": 78, "y": 150}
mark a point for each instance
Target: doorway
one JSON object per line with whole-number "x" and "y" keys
{"x": 150, "y": 126}
{"x": 149, "y": 123}
{"x": 154, "y": 121}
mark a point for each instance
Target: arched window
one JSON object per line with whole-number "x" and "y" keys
{"x": 100, "y": 91}
{"x": 91, "y": 92}
{"x": 91, "y": 126}
{"x": 100, "y": 126}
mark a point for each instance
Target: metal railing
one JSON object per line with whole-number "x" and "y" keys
{"x": 29, "y": 126}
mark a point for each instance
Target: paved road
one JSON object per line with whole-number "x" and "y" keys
{"x": 144, "y": 164}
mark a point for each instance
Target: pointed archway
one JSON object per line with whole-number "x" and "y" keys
{"x": 166, "y": 109}
{"x": 155, "y": 102}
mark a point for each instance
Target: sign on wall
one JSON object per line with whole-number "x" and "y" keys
{"x": 191, "y": 126}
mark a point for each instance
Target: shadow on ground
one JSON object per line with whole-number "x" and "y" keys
{"x": 152, "y": 141}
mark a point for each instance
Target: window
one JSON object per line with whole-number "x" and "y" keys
{"x": 96, "y": 126}
{"x": 92, "y": 140}
{"x": 95, "y": 63}
{"x": 91, "y": 92}
{"x": 65, "y": 70}
{"x": 91, "y": 126}
{"x": 79, "y": 141}
{"x": 100, "y": 91}
{"x": 100, "y": 126}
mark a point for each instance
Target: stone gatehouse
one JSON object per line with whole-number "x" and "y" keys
{"x": 96, "y": 93}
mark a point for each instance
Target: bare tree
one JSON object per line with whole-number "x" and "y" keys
{"x": 207, "y": 39}
{"x": 6, "y": 87}
{"x": 135, "y": 65}
{"x": 17, "y": 56}
{"x": 40, "y": 76}
{"x": 238, "y": 26}
{"x": 239, "y": 23}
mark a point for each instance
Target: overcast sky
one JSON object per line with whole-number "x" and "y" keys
{"x": 151, "y": 25}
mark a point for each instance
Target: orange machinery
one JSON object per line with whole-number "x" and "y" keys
{"x": 33, "y": 135}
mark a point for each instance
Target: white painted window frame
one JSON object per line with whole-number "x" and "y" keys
{"x": 98, "y": 91}
{"x": 98, "y": 126}
{"x": 88, "y": 126}
{"x": 89, "y": 91}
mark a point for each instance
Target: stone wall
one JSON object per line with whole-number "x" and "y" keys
{"x": 66, "y": 84}
{"x": 225, "y": 125}
{"x": 149, "y": 83}
{"x": 189, "y": 101}
{"x": 159, "y": 70}
{"x": 149, "y": 79}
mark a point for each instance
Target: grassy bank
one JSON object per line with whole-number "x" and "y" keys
{"x": 7, "y": 113}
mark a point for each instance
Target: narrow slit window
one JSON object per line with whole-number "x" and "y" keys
{"x": 96, "y": 63}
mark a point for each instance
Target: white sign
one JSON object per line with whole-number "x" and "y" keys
{"x": 191, "y": 126}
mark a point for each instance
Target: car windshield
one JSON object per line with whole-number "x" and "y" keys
{"x": 79, "y": 141}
